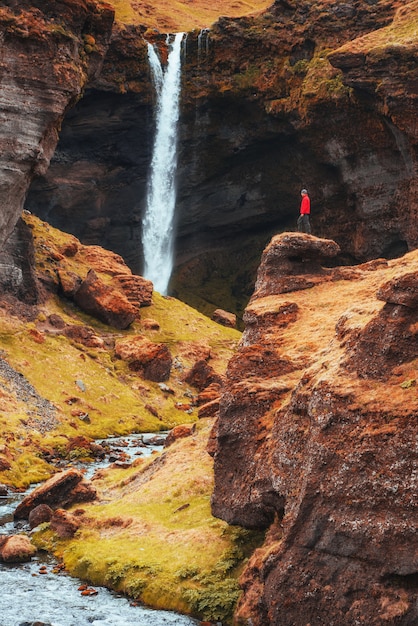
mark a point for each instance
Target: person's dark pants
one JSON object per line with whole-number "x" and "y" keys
{"x": 304, "y": 225}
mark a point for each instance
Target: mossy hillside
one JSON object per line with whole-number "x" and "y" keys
{"x": 151, "y": 534}
{"x": 94, "y": 393}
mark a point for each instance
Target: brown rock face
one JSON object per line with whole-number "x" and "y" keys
{"x": 291, "y": 262}
{"x": 391, "y": 338}
{"x": 266, "y": 110}
{"x": 104, "y": 302}
{"x": 319, "y": 451}
{"x": 152, "y": 360}
{"x": 201, "y": 375}
{"x": 43, "y": 71}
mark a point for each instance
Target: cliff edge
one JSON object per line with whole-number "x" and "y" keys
{"x": 49, "y": 50}
{"x": 316, "y": 439}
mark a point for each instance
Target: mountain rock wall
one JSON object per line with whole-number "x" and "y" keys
{"x": 49, "y": 50}
{"x": 317, "y": 95}
{"x": 315, "y": 439}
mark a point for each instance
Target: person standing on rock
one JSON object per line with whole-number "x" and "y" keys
{"x": 304, "y": 225}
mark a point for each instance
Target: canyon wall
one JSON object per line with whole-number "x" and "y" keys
{"x": 316, "y": 439}
{"x": 49, "y": 50}
{"x": 317, "y": 95}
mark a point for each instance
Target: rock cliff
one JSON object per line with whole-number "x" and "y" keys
{"x": 49, "y": 50}
{"x": 315, "y": 439}
{"x": 304, "y": 94}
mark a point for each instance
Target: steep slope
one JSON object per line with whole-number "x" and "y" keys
{"x": 85, "y": 359}
{"x": 316, "y": 439}
{"x": 68, "y": 379}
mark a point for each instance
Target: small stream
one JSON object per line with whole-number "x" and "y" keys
{"x": 38, "y": 593}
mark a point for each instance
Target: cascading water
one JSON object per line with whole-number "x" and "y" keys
{"x": 158, "y": 223}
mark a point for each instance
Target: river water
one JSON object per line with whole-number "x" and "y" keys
{"x": 37, "y": 593}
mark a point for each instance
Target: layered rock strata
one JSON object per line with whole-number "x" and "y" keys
{"x": 316, "y": 441}
{"x": 49, "y": 50}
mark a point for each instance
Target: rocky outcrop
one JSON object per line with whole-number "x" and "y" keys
{"x": 151, "y": 360}
{"x": 104, "y": 302}
{"x": 44, "y": 66}
{"x": 44, "y": 71}
{"x": 313, "y": 443}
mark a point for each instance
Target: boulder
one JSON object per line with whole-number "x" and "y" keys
{"x": 401, "y": 290}
{"x": 69, "y": 282}
{"x": 64, "y": 524}
{"x": 104, "y": 261}
{"x": 209, "y": 393}
{"x": 137, "y": 289}
{"x": 104, "y": 302}
{"x": 224, "y": 318}
{"x": 63, "y": 489}
{"x": 201, "y": 375}
{"x": 151, "y": 360}
{"x": 17, "y": 549}
{"x": 40, "y": 514}
{"x": 293, "y": 261}
{"x": 83, "y": 335}
{"x": 179, "y": 432}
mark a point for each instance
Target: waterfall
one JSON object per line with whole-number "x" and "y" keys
{"x": 158, "y": 223}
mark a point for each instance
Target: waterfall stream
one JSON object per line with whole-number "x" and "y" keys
{"x": 158, "y": 223}
{"x": 35, "y": 593}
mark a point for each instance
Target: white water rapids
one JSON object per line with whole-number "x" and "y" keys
{"x": 158, "y": 222}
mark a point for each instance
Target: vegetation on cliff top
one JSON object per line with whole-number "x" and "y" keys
{"x": 182, "y": 16}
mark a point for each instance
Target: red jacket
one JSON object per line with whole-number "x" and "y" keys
{"x": 305, "y": 206}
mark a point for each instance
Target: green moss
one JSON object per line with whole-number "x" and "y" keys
{"x": 407, "y": 384}
{"x": 145, "y": 537}
{"x": 216, "y": 601}
{"x": 248, "y": 78}
{"x": 26, "y": 469}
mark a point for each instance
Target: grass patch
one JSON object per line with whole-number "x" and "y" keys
{"x": 145, "y": 536}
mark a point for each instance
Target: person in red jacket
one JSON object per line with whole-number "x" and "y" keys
{"x": 304, "y": 225}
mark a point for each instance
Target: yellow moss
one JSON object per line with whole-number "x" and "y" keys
{"x": 26, "y": 469}
{"x": 164, "y": 504}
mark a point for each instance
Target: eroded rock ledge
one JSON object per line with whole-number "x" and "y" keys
{"x": 315, "y": 441}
